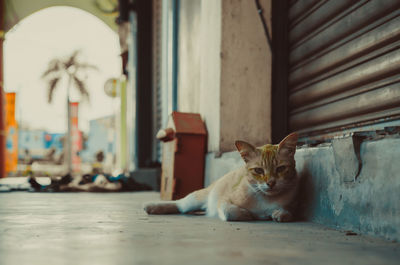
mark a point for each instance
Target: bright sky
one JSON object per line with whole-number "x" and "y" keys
{"x": 53, "y": 33}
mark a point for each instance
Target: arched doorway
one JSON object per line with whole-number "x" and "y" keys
{"x": 56, "y": 32}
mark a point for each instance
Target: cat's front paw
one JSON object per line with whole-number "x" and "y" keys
{"x": 281, "y": 215}
{"x": 234, "y": 213}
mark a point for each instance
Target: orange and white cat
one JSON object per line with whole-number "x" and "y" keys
{"x": 264, "y": 188}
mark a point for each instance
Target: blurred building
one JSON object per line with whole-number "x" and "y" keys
{"x": 40, "y": 145}
{"x": 54, "y": 140}
{"x": 34, "y": 141}
{"x": 101, "y": 137}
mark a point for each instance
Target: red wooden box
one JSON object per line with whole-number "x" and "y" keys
{"x": 183, "y": 155}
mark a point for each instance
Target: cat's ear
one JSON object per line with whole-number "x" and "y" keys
{"x": 287, "y": 147}
{"x": 246, "y": 150}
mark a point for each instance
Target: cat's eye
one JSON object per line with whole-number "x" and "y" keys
{"x": 280, "y": 169}
{"x": 259, "y": 170}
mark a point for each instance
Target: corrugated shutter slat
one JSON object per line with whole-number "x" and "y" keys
{"x": 344, "y": 64}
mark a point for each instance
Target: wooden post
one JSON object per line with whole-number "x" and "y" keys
{"x": 2, "y": 125}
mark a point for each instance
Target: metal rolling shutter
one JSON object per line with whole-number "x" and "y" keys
{"x": 344, "y": 61}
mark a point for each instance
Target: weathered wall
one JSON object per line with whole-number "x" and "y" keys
{"x": 370, "y": 205}
{"x": 224, "y": 70}
{"x": 245, "y": 75}
{"x": 189, "y": 55}
{"x": 199, "y": 63}
{"x": 216, "y": 167}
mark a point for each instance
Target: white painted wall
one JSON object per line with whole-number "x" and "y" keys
{"x": 245, "y": 75}
{"x": 225, "y": 70}
{"x": 199, "y": 63}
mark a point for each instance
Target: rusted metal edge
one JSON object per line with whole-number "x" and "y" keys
{"x": 368, "y": 135}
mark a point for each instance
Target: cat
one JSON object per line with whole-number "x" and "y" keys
{"x": 265, "y": 188}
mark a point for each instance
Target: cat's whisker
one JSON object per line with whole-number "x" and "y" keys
{"x": 264, "y": 192}
{"x": 259, "y": 190}
{"x": 254, "y": 189}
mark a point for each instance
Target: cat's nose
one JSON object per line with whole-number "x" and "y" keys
{"x": 271, "y": 183}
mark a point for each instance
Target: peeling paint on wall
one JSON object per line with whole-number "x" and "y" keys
{"x": 369, "y": 204}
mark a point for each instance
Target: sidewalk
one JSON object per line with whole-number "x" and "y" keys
{"x": 112, "y": 228}
{"x": 20, "y": 183}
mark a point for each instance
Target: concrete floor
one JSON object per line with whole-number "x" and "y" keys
{"x": 95, "y": 228}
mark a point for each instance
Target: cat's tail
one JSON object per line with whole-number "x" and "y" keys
{"x": 196, "y": 200}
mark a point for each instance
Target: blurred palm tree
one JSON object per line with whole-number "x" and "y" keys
{"x": 70, "y": 69}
